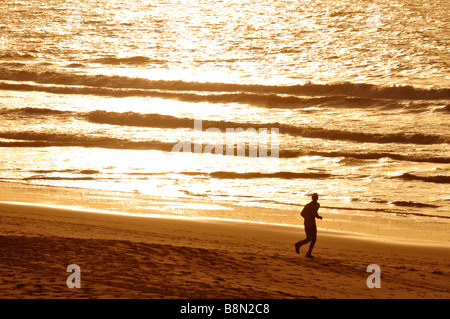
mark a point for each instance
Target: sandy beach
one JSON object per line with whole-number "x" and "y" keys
{"x": 131, "y": 256}
{"x": 165, "y": 150}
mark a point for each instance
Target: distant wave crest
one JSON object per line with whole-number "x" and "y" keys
{"x": 440, "y": 179}
{"x": 362, "y": 90}
{"x": 132, "y": 60}
{"x": 167, "y": 121}
{"x": 173, "y": 122}
{"x": 33, "y": 111}
{"x": 265, "y": 100}
{"x": 413, "y": 204}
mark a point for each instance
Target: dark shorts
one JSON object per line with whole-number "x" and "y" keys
{"x": 311, "y": 231}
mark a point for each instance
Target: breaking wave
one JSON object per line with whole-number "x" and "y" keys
{"x": 362, "y": 90}
{"x": 167, "y": 121}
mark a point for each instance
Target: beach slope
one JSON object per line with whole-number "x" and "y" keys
{"x": 124, "y": 256}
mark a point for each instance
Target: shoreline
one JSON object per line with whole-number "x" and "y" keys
{"x": 129, "y": 256}
{"x": 23, "y": 206}
{"x": 383, "y": 228}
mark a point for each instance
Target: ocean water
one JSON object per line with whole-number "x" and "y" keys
{"x": 348, "y": 99}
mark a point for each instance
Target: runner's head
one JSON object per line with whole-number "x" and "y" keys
{"x": 315, "y": 197}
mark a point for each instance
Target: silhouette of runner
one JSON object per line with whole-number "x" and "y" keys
{"x": 309, "y": 213}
